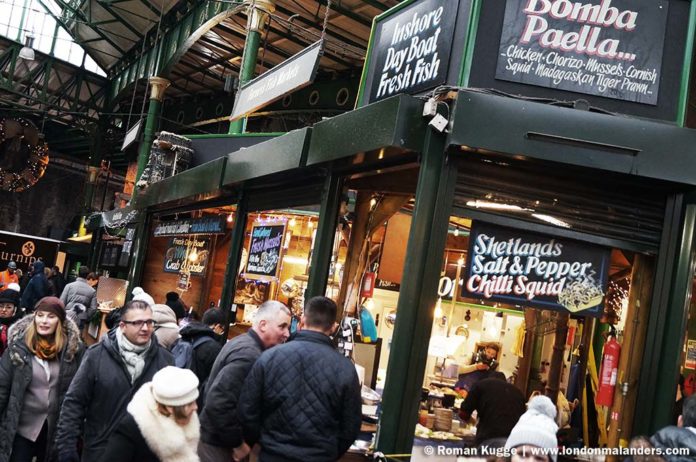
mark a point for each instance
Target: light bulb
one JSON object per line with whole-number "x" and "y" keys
{"x": 229, "y": 218}
{"x": 438, "y": 308}
{"x": 373, "y": 202}
{"x": 293, "y": 222}
{"x": 193, "y": 256}
{"x": 456, "y": 232}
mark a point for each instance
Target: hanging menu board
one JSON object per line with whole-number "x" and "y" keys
{"x": 410, "y": 49}
{"x": 187, "y": 255}
{"x": 609, "y": 48}
{"x": 265, "y": 249}
{"x": 521, "y": 268}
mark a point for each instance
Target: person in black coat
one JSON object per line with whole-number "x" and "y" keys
{"x": 174, "y": 302}
{"x": 206, "y": 338}
{"x": 36, "y": 289}
{"x": 221, "y": 433}
{"x": 161, "y": 424}
{"x": 110, "y": 373}
{"x": 498, "y": 405}
{"x": 301, "y": 400}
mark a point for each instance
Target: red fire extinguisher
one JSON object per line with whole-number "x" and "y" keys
{"x": 368, "y": 285}
{"x": 608, "y": 373}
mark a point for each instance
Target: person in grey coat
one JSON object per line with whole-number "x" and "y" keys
{"x": 43, "y": 355}
{"x": 80, "y": 298}
{"x": 221, "y": 433}
{"x": 110, "y": 374}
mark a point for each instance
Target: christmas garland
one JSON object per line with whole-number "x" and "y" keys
{"x": 35, "y": 165}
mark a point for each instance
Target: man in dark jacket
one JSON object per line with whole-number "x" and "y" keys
{"x": 682, "y": 436}
{"x": 206, "y": 338}
{"x": 36, "y": 289}
{"x": 301, "y": 401}
{"x": 498, "y": 405}
{"x": 221, "y": 433}
{"x": 78, "y": 296}
{"x": 110, "y": 373}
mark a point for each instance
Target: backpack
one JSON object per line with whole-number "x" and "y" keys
{"x": 183, "y": 351}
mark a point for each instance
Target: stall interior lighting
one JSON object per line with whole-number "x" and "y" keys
{"x": 551, "y": 220}
{"x": 493, "y": 205}
{"x": 294, "y": 260}
{"x": 230, "y": 218}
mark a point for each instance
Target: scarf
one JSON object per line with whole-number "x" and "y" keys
{"x": 133, "y": 355}
{"x": 45, "y": 349}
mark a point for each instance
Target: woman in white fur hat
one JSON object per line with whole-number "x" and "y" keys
{"x": 161, "y": 424}
{"x": 533, "y": 438}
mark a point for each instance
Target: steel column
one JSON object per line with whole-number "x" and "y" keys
{"x": 159, "y": 85}
{"x": 256, "y": 20}
{"x": 417, "y": 298}
{"x": 326, "y": 232}
{"x": 233, "y": 260}
{"x": 667, "y": 321}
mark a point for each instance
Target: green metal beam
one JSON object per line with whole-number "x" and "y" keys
{"x": 179, "y": 29}
{"x": 417, "y": 298}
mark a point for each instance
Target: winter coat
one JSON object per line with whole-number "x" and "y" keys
{"x": 676, "y": 437}
{"x": 166, "y": 328}
{"x": 37, "y": 288}
{"x": 145, "y": 435}
{"x": 219, "y": 423}
{"x": 204, "y": 354}
{"x": 16, "y": 374}
{"x": 99, "y": 394}
{"x": 301, "y": 401}
{"x": 80, "y": 292}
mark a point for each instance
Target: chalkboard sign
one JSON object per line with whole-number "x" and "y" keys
{"x": 516, "y": 267}
{"x": 410, "y": 49}
{"x": 265, "y": 249}
{"x": 177, "y": 257}
{"x": 609, "y": 48}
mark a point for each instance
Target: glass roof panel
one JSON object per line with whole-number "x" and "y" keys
{"x": 35, "y": 18}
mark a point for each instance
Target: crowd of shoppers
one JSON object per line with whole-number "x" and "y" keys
{"x": 281, "y": 399}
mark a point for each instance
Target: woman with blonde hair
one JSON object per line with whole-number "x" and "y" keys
{"x": 41, "y": 359}
{"x": 161, "y": 424}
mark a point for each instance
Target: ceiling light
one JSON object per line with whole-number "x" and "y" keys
{"x": 493, "y": 205}
{"x": 27, "y": 52}
{"x": 552, "y": 220}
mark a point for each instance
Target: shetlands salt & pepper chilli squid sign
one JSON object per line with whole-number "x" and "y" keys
{"x": 609, "y": 48}
{"x": 411, "y": 49}
{"x": 516, "y": 267}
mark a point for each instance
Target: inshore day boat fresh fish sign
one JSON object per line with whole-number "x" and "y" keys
{"x": 517, "y": 267}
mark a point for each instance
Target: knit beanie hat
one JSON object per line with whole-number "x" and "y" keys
{"x": 173, "y": 386}
{"x": 52, "y": 305}
{"x": 9, "y": 296}
{"x": 141, "y": 295}
{"x": 537, "y": 427}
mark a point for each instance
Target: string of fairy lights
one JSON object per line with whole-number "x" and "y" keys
{"x": 33, "y": 167}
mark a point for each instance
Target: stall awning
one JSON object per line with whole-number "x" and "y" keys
{"x": 198, "y": 183}
{"x": 284, "y": 153}
{"x": 572, "y": 136}
{"x": 116, "y": 218}
{"x": 395, "y": 122}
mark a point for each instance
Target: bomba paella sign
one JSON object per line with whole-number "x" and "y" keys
{"x": 520, "y": 268}
{"x": 609, "y": 48}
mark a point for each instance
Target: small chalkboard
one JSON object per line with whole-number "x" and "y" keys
{"x": 265, "y": 248}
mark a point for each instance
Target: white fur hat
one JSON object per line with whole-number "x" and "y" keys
{"x": 173, "y": 386}
{"x": 537, "y": 427}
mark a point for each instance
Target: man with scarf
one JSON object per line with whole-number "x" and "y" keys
{"x": 110, "y": 373}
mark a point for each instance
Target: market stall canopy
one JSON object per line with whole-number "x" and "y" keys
{"x": 520, "y": 127}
